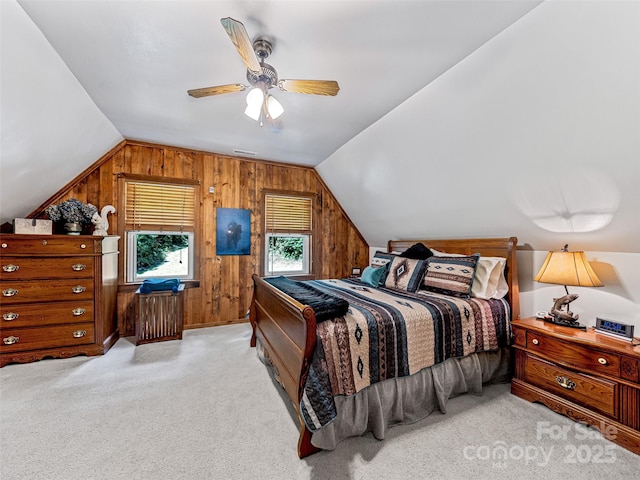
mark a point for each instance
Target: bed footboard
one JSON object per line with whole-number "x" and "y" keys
{"x": 286, "y": 330}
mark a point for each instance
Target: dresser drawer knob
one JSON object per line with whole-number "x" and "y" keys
{"x": 9, "y": 292}
{"x": 78, "y": 311}
{"x": 78, "y": 289}
{"x": 10, "y": 268}
{"x": 535, "y": 341}
{"x": 79, "y": 333}
{"x": 566, "y": 382}
{"x": 10, "y": 316}
{"x": 78, "y": 267}
{"x": 602, "y": 361}
{"x": 4, "y": 245}
{"x": 10, "y": 340}
{"x": 83, "y": 246}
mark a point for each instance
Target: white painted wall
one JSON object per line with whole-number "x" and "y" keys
{"x": 535, "y": 135}
{"x": 45, "y": 117}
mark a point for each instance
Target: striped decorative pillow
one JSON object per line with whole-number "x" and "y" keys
{"x": 450, "y": 275}
{"x": 382, "y": 258}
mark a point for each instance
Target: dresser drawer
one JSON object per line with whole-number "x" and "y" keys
{"x": 54, "y": 290}
{"x": 40, "y": 314}
{"x": 23, "y": 268}
{"x": 573, "y": 354}
{"x": 23, "y": 339}
{"x": 48, "y": 245}
{"x": 595, "y": 393}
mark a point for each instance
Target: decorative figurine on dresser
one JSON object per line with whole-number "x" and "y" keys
{"x": 58, "y": 296}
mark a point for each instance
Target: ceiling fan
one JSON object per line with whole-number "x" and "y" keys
{"x": 261, "y": 106}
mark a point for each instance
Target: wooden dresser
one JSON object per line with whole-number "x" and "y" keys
{"x": 587, "y": 376}
{"x": 58, "y": 295}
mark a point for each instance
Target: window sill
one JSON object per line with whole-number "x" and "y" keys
{"x": 132, "y": 287}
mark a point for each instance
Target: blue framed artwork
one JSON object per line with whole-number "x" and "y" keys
{"x": 233, "y": 231}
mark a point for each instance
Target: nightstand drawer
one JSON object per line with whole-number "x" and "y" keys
{"x": 595, "y": 393}
{"x": 574, "y": 355}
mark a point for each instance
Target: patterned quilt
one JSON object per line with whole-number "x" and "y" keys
{"x": 387, "y": 334}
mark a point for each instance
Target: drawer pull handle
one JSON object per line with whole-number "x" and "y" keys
{"x": 10, "y": 340}
{"x": 83, "y": 246}
{"x": 10, "y": 316}
{"x": 4, "y": 245}
{"x": 9, "y": 292}
{"x": 79, "y": 333}
{"x": 78, "y": 311}
{"x": 78, "y": 289}
{"x": 78, "y": 267}
{"x": 10, "y": 268}
{"x": 535, "y": 341}
{"x": 602, "y": 361}
{"x": 566, "y": 382}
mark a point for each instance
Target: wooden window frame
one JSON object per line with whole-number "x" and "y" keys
{"x": 314, "y": 244}
{"x": 123, "y": 178}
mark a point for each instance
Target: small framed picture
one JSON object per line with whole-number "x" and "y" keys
{"x": 355, "y": 272}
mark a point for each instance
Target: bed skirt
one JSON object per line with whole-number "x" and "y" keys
{"x": 406, "y": 400}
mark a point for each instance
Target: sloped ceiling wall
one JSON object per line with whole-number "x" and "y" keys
{"x": 48, "y": 120}
{"x": 536, "y": 134}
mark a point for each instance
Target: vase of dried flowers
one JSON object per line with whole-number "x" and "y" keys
{"x": 73, "y": 213}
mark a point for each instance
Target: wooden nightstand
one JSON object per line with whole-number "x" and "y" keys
{"x": 589, "y": 377}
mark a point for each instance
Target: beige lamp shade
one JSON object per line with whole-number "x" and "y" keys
{"x": 568, "y": 268}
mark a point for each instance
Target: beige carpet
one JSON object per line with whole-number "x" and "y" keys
{"x": 205, "y": 408}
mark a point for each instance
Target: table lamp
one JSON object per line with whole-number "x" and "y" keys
{"x": 566, "y": 268}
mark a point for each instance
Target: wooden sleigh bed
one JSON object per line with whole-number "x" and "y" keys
{"x": 286, "y": 330}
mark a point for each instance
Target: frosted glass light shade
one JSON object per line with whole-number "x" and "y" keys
{"x": 255, "y": 97}
{"x": 253, "y": 112}
{"x": 274, "y": 107}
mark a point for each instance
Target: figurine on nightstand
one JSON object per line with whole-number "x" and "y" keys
{"x": 562, "y": 317}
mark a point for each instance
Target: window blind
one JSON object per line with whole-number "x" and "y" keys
{"x": 159, "y": 206}
{"x": 288, "y": 214}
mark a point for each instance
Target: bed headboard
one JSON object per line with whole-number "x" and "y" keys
{"x": 488, "y": 247}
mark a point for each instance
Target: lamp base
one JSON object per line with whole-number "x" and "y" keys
{"x": 564, "y": 323}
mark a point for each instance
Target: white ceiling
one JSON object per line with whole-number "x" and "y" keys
{"x": 137, "y": 59}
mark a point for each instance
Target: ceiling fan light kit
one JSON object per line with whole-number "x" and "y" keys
{"x": 255, "y": 97}
{"x": 261, "y": 106}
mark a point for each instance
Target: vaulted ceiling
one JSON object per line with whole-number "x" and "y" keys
{"x": 527, "y": 110}
{"x": 137, "y": 59}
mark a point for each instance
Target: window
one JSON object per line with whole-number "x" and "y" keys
{"x": 159, "y": 228}
{"x": 159, "y": 254}
{"x": 287, "y": 236}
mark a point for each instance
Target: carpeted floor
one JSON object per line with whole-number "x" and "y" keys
{"x": 205, "y": 408}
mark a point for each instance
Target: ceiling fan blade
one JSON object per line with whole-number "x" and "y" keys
{"x": 241, "y": 40}
{"x": 218, "y": 90}
{"x": 314, "y": 87}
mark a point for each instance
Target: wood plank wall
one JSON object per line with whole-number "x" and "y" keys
{"x": 225, "y": 290}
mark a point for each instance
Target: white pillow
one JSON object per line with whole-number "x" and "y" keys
{"x": 489, "y": 280}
